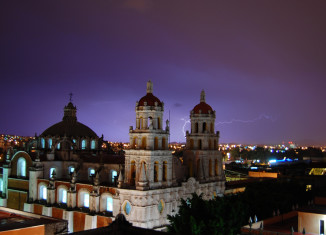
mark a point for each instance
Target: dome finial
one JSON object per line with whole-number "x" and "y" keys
{"x": 70, "y": 97}
{"x": 149, "y": 87}
{"x": 202, "y": 96}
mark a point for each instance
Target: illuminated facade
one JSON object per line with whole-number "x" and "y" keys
{"x": 66, "y": 173}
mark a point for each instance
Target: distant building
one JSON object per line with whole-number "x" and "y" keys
{"x": 67, "y": 173}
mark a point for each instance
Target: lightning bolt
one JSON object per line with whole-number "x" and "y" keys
{"x": 184, "y": 125}
{"x": 260, "y": 117}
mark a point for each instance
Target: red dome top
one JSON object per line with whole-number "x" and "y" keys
{"x": 150, "y": 99}
{"x": 205, "y": 108}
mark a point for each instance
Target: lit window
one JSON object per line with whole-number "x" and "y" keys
{"x": 91, "y": 172}
{"x": 49, "y": 143}
{"x": 1, "y": 185}
{"x": 83, "y": 144}
{"x": 109, "y": 204}
{"x": 93, "y": 144}
{"x": 42, "y": 143}
{"x": 21, "y": 167}
{"x": 114, "y": 174}
{"x": 58, "y": 146}
{"x": 43, "y": 192}
{"x": 71, "y": 169}
{"x": 86, "y": 200}
{"x": 51, "y": 171}
{"x": 62, "y": 195}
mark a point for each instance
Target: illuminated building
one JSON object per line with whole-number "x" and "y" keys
{"x": 65, "y": 173}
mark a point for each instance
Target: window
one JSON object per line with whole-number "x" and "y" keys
{"x": 109, "y": 204}
{"x": 156, "y": 172}
{"x": 91, "y": 172}
{"x": 52, "y": 169}
{"x": 83, "y": 144}
{"x": 114, "y": 174}
{"x": 83, "y": 199}
{"x": 93, "y": 144}
{"x": 322, "y": 227}
{"x": 164, "y": 178}
{"x": 58, "y": 146}
{"x": 43, "y": 192}
{"x": 21, "y": 167}
{"x": 86, "y": 200}
{"x": 42, "y": 143}
{"x": 62, "y": 195}
{"x": 71, "y": 169}
{"x": 49, "y": 143}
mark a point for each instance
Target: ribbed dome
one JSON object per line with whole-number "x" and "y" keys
{"x": 69, "y": 129}
{"x": 69, "y": 125}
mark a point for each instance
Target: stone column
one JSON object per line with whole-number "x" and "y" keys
{"x": 94, "y": 205}
{"x": 71, "y": 199}
{"x": 5, "y": 176}
{"x": 34, "y": 174}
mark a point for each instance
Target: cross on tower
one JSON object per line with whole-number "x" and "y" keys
{"x": 70, "y": 95}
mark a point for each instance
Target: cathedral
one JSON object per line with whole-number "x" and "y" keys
{"x": 69, "y": 173}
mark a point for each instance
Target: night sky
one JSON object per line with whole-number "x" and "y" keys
{"x": 261, "y": 63}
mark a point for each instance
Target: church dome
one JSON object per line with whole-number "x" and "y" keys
{"x": 202, "y": 107}
{"x": 69, "y": 125}
{"x": 149, "y": 98}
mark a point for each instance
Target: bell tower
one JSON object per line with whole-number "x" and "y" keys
{"x": 205, "y": 162}
{"x": 148, "y": 162}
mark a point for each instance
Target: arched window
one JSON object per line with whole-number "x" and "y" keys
{"x": 93, "y": 144}
{"x": 58, "y": 146}
{"x": 212, "y": 128}
{"x": 163, "y": 143}
{"x": 42, "y": 143}
{"x": 210, "y": 167}
{"x": 204, "y": 127}
{"x": 62, "y": 194}
{"x": 83, "y": 145}
{"x": 215, "y": 144}
{"x": 42, "y": 192}
{"x": 134, "y": 142}
{"x": 21, "y": 167}
{"x": 196, "y": 127}
{"x": 143, "y": 143}
{"x": 132, "y": 173}
{"x": 199, "y": 145}
{"x": 114, "y": 174}
{"x": 156, "y": 172}
{"x": 210, "y": 144}
{"x": 49, "y": 143}
{"x": 165, "y": 170}
{"x": 109, "y": 204}
{"x": 159, "y": 123}
{"x": 83, "y": 198}
{"x": 216, "y": 167}
{"x": 156, "y": 143}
